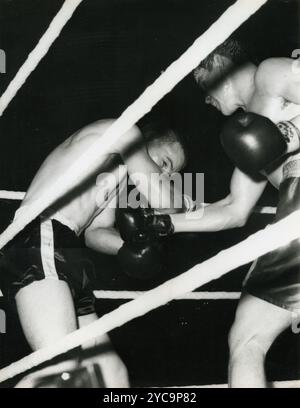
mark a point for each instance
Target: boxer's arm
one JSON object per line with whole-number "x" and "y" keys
{"x": 101, "y": 235}
{"x": 280, "y": 78}
{"x": 231, "y": 212}
{"x": 149, "y": 179}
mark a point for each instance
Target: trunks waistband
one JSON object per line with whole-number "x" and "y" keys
{"x": 56, "y": 216}
{"x": 291, "y": 169}
{"x": 65, "y": 221}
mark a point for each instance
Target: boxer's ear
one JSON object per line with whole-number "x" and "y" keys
{"x": 218, "y": 61}
{"x": 200, "y": 76}
{"x": 221, "y": 62}
{"x": 227, "y": 85}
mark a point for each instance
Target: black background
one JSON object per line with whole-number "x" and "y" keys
{"x": 106, "y": 55}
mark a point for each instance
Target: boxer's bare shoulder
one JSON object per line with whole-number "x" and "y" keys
{"x": 272, "y": 74}
{"x": 275, "y": 84}
{"x": 64, "y": 155}
{"x": 88, "y": 133}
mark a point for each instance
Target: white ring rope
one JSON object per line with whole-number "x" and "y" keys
{"x": 131, "y": 294}
{"x": 258, "y": 244}
{"x": 38, "y": 53}
{"x": 94, "y": 156}
{"x": 19, "y": 195}
{"x": 12, "y": 195}
{"x": 266, "y": 210}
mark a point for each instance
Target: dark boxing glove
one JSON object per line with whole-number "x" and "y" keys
{"x": 253, "y": 142}
{"x": 142, "y": 225}
{"x": 141, "y": 261}
{"x": 131, "y": 224}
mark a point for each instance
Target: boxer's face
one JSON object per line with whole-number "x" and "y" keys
{"x": 170, "y": 157}
{"x": 223, "y": 98}
{"x": 218, "y": 86}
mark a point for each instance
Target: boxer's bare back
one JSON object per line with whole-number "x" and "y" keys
{"x": 81, "y": 205}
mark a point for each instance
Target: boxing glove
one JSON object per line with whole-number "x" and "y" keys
{"x": 142, "y": 225}
{"x": 141, "y": 261}
{"x": 131, "y": 224}
{"x": 253, "y": 142}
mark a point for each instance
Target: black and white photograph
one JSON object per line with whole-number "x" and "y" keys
{"x": 150, "y": 196}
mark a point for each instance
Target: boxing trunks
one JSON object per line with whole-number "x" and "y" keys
{"x": 48, "y": 249}
{"x": 275, "y": 277}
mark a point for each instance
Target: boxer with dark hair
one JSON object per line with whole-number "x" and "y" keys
{"x": 47, "y": 273}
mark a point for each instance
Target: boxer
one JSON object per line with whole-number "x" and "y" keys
{"x": 263, "y": 142}
{"x": 46, "y": 271}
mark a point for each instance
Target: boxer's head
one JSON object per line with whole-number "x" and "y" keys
{"x": 216, "y": 73}
{"x": 165, "y": 147}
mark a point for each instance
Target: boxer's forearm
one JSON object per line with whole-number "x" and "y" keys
{"x": 214, "y": 217}
{"x": 105, "y": 240}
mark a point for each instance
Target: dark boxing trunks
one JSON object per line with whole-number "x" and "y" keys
{"x": 275, "y": 277}
{"x": 47, "y": 249}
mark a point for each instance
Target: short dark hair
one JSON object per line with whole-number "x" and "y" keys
{"x": 161, "y": 131}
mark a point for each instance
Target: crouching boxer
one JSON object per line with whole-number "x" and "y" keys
{"x": 47, "y": 274}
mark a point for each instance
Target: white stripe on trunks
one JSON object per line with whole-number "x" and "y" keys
{"x": 47, "y": 250}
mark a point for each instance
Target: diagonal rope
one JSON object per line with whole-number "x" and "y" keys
{"x": 38, "y": 53}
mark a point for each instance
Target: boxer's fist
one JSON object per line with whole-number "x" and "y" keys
{"x": 142, "y": 225}
{"x": 131, "y": 224}
{"x": 158, "y": 225}
{"x": 252, "y": 141}
{"x": 141, "y": 261}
